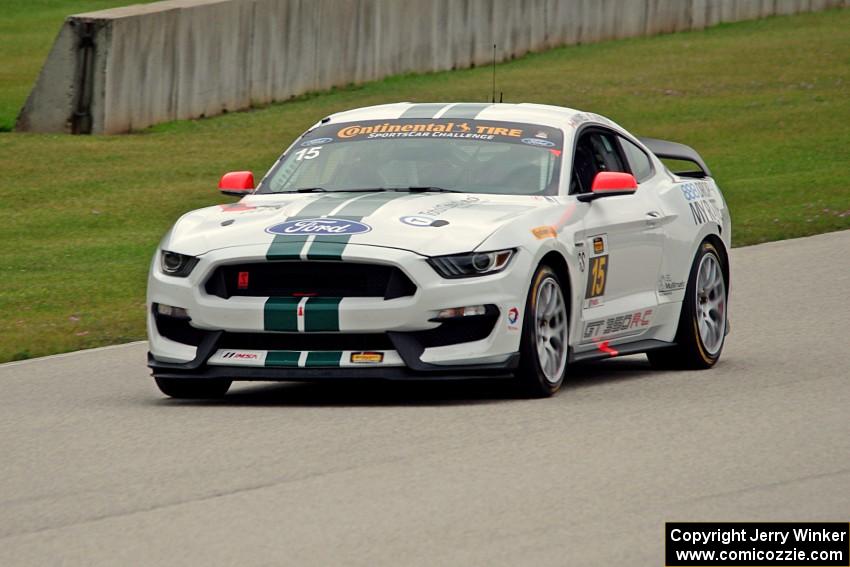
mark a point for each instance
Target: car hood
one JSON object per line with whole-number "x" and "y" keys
{"x": 426, "y": 223}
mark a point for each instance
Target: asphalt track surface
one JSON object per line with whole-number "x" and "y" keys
{"x": 99, "y": 469}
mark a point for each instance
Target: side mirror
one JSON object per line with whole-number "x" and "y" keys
{"x": 237, "y": 183}
{"x": 610, "y": 184}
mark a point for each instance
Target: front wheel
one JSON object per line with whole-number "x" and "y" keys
{"x": 545, "y": 328}
{"x": 702, "y": 323}
{"x": 192, "y": 388}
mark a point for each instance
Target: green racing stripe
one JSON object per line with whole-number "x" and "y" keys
{"x": 320, "y": 313}
{"x": 323, "y": 358}
{"x": 289, "y": 247}
{"x": 280, "y": 314}
{"x": 290, "y": 358}
{"x": 424, "y": 110}
{"x": 331, "y": 246}
{"x": 282, "y": 358}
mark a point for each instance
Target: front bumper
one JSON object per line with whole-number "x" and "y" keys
{"x": 371, "y": 337}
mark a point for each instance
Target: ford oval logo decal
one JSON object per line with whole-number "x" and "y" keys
{"x": 318, "y": 226}
{"x": 317, "y": 142}
{"x": 537, "y": 142}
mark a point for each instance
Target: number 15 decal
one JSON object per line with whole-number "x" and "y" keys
{"x": 307, "y": 153}
{"x": 597, "y": 275}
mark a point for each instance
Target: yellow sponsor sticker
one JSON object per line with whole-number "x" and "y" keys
{"x": 367, "y": 357}
{"x": 543, "y": 232}
{"x": 598, "y": 245}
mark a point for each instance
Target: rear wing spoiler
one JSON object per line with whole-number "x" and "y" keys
{"x": 671, "y": 150}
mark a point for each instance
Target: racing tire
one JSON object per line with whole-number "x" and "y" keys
{"x": 190, "y": 388}
{"x": 545, "y": 332}
{"x": 702, "y": 322}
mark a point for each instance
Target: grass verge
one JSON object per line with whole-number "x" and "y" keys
{"x": 766, "y": 102}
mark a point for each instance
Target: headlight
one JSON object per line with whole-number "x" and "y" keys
{"x": 471, "y": 263}
{"x": 178, "y": 265}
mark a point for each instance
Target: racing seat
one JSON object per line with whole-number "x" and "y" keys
{"x": 584, "y": 167}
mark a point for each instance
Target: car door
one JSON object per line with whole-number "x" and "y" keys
{"x": 621, "y": 239}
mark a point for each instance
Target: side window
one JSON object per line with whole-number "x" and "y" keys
{"x": 638, "y": 161}
{"x": 607, "y": 155}
{"x": 595, "y": 151}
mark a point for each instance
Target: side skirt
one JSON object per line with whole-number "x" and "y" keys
{"x": 604, "y": 351}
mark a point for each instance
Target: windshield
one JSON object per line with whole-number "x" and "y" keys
{"x": 473, "y": 156}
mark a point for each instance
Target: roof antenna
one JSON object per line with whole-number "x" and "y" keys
{"x": 494, "y": 73}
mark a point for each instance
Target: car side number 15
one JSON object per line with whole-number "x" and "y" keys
{"x": 596, "y": 277}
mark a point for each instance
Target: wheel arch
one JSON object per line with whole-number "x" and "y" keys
{"x": 555, "y": 260}
{"x": 718, "y": 244}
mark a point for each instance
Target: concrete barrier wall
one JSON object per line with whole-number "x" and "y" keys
{"x": 128, "y": 68}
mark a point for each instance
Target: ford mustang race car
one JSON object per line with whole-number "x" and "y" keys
{"x": 445, "y": 241}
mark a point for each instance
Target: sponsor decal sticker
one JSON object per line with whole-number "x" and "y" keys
{"x": 446, "y": 128}
{"x": 513, "y": 318}
{"x": 367, "y": 357}
{"x": 316, "y": 142}
{"x": 695, "y": 190}
{"x": 414, "y": 220}
{"x": 435, "y": 129}
{"x": 240, "y": 355}
{"x": 598, "y": 245}
{"x": 513, "y": 315}
{"x": 538, "y": 142}
{"x": 701, "y": 197}
{"x": 636, "y": 321}
{"x": 319, "y": 226}
{"x": 438, "y": 210}
{"x": 417, "y": 220}
{"x": 666, "y": 285}
{"x": 544, "y": 232}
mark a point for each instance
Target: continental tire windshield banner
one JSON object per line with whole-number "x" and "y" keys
{"x": 532, "y": 135}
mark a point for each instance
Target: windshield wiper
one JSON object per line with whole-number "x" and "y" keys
{"x": 323, "y": 190}
{"x": 428, "y": 189}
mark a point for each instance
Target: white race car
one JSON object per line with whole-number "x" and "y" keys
{"x": 445, "y": 241}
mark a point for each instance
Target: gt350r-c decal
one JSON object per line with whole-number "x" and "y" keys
{"x": 632, "y": 322}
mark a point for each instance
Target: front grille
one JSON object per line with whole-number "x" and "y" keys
{"x": 310, "y": 278}
{"x": 305, "y": 341}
